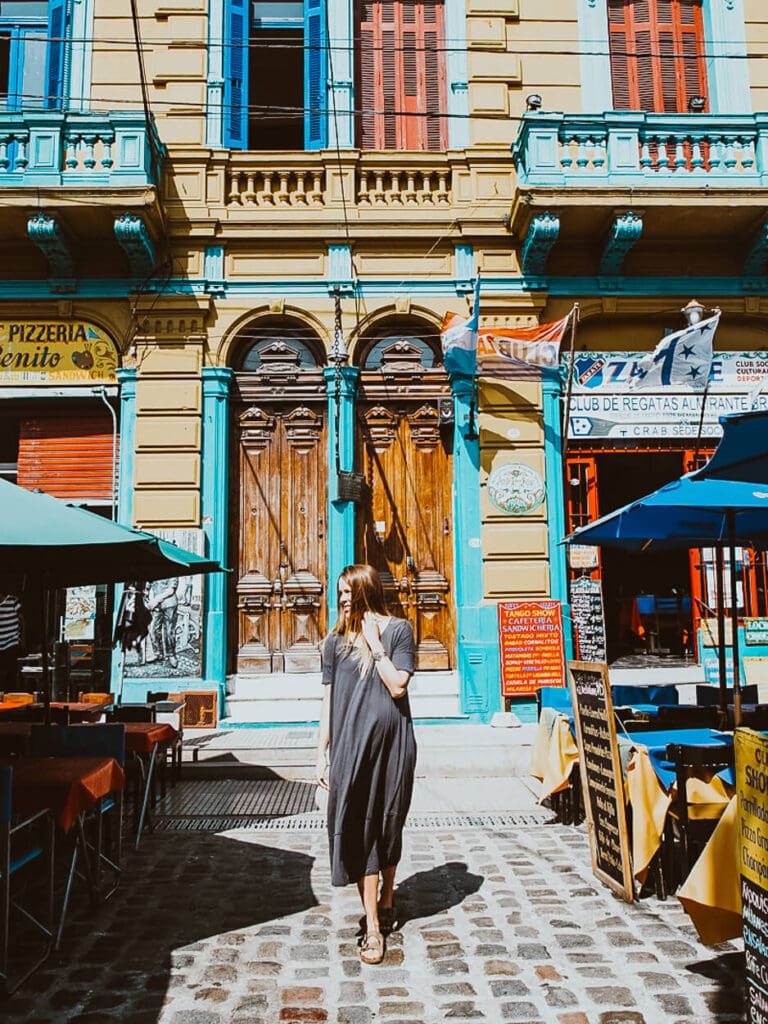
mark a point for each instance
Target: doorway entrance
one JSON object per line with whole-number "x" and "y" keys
{"x": 404, "y": 448}
{"x": 279, "y": 485}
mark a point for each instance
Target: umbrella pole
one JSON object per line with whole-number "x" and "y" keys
{"x": 734, "y": 619}
{"x": 720, "y": 584}
{"x": 120, "y": 674}
{"x": 46, "y": 662}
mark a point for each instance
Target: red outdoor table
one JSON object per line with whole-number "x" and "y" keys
{"x": 67, "y": 786}
{"x": 143, "y": 739}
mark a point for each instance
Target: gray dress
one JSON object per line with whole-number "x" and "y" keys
{"x": 372, "y": 758}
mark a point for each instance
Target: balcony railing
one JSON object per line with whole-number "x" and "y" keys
{"x": 55, "y": 148}
{"x": 318, "y": 181}
{"x": 631, "y": 149}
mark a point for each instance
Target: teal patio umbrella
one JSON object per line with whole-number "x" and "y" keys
{"x": 66, "y": 546}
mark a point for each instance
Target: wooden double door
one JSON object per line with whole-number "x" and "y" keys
{"x": 280, "y": 592}
{"x": 403, "y": 526}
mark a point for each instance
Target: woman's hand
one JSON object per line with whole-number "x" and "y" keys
{"x": 322, "y": 769}
{"x": 372, "y": 633}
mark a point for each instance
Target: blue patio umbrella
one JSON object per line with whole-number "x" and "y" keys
{"x": 691, "y": 512}
{"x": 742, "y": 452}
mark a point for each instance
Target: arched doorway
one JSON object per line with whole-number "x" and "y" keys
{"x": 404, "y": 449}
{"x": 279, "y": 484}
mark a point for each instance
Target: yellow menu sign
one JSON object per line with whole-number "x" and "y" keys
{"x": 55, "y": 352}
{"x": 752, "y": 787}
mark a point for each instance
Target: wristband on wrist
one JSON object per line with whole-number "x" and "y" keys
{"x": 378, "y": 655}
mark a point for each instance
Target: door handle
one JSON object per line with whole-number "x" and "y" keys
{"x": 446, "y": 526}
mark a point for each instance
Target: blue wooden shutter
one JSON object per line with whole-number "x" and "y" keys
{"x": 236, "y": 74}
{"x": 315, "y": 71}
{"x": 54, "y": 72}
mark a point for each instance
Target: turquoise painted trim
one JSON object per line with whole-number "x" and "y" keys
{"x": 214, "y": 510}
{"x": 457, "y": 74}
{"x": 80, "y": 56}
{"x": 727, "y": 66}
{"x": 214, "y": 119}
{"x": 426, "y": 289}
{"x": 125, "y": 479}
{"x": 213, "y": 268}
{"x": 464, "y": 267}
{"x": 553, "y": 463}
{"x": 340, "y": 271}
{"x": 127, "y": 381}
{"x": 477, "y": 630}
{"x": 341, "y": 52}
{"x": 594, "y": 56}
{"x": 340, "y": 534}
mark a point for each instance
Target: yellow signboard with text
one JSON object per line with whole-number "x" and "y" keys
{"x": 55, "y": 352}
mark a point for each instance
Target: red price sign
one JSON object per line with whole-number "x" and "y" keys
{"x": 530, "y": 646}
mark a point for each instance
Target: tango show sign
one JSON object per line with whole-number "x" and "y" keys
{"x": 752, "y": 787}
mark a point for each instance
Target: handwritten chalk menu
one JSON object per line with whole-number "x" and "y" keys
{"x": 601, "y": 775}
{"x": 588, "y": 622}
{"x": 752, "y": 788}
{"x": 530, "y": 646}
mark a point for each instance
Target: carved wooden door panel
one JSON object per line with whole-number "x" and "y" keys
{"x": 404, "y": 529}
{"x": 281, "y": 539}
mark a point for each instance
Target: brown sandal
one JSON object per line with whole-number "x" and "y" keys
{"x": 372, "y": 949}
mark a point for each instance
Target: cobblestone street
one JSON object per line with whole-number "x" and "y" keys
{"x": 500, "y": 923}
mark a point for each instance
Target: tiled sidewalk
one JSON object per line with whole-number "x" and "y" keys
{"x": 501, "y": 924}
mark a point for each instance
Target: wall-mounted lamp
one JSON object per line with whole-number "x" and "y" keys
{"x": 696, "y": 104}
{"x": 693, "y": 312}
{"x": 533, "y": 102}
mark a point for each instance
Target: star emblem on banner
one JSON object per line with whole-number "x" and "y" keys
{"x": 688, "y": 351}
{"x": 694, "y": 372}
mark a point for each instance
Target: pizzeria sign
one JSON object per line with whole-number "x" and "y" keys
{"x": 55, "y": 352}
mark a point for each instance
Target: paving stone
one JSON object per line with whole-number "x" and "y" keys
{"x": 354, "y": 1015}
{"x": 527, "y": 1012}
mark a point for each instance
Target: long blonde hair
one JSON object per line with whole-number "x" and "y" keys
{"x": 366, "y": 595}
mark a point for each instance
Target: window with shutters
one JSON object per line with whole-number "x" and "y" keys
{"x": 32, "y": 40}
{"x": 657, "y": 54}
{"x": 275, "y": 75}
{"x": 401, "y": 81}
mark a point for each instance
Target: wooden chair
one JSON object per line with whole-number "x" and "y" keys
{"x": 132, "y": 713}
{"x": 25, "y": 845}
{"x": 687, "y": 716}
{"x": 708, "y": 696}
{"x": 88, "y": 697}
{"x": 684, "y": 834}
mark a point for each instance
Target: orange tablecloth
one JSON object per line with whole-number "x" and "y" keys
{"x": 630, "y": 617}
{"x": 141, "y": 737}
{"x": 65, "y": 785}
{"x": 711, "y": 894}
{"x": 554, "y": 752}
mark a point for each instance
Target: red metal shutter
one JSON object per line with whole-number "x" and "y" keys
{"x": 657, "y": 54}
{"x": 68, "y": 457}
{"x": 401, "y": 75}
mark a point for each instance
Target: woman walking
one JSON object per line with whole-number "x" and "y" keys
{"x": 367, "y": 750}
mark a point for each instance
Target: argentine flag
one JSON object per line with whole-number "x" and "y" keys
{"x": 458, "y": 336}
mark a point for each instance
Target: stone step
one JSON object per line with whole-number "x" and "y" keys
{"x": 285, "y": 685}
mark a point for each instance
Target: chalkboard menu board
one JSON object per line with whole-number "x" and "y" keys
{"x": 530, "y": 646}
{"x": 587, "y": 614}
{"x": 752, "y": 787}
{"x": 601, "y": 775}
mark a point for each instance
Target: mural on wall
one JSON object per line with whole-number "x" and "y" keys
{"x": 173, "y": 647}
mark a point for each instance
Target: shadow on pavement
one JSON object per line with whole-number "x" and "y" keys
{"x": 187, "y": 888}
{"x": 728, "y": 970}
{"x": 429, "y": 892}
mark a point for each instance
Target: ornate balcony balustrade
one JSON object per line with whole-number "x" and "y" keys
{"x": 321, "y": 181}
{"x": 54, "y": 148}
{"x": 626, "y": 149}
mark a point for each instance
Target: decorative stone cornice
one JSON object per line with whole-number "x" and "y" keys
{"x": 48, "y": 236}
{"x": 623, "y": 235}
{"x": 756, "y": 260}
{"x": 133, "y": 237}
{"x": 542, "y": 234}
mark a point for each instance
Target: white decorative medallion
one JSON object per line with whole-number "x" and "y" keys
{"x": 515, "y": 488}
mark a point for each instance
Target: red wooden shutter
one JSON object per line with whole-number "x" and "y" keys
{"x": 401, "y": 75}
{"x": 657, "y": 54}
{"x": 68, "y": 457}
